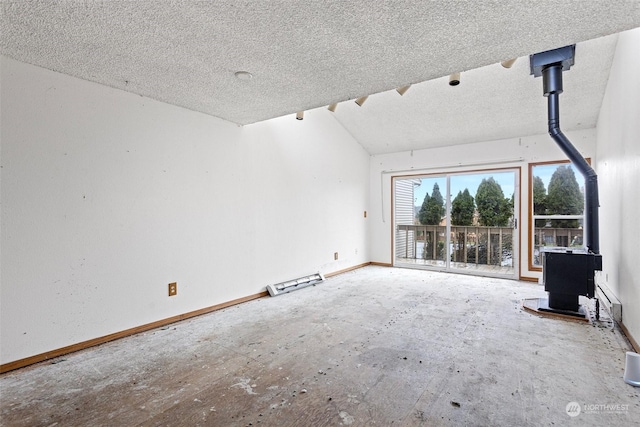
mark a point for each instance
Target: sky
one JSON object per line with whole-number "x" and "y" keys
{"x": 472, "y": 181}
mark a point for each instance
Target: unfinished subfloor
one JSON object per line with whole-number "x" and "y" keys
{"x": 376, "y": 346}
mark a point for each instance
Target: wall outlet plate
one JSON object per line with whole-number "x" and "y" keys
{"x": 173, "y": 289}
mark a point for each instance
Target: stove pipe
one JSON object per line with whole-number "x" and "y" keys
{"x": 550, "y": 66}
{"x": 552, "y": 84}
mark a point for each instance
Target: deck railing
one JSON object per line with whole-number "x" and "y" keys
{"x": 470, "y": 244}
{"x": 549, "y": 237}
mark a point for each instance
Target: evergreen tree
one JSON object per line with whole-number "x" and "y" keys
{"x": 435, "y": 209}
{"x": 422, "y": 214}
{"x": 507, "y": 210}
{"x": 432, "y": 209}
{"x": 494, "y": 209}
{"x": 539, "y": 200}
{"x": 564, "y": 197}
{"x": 462, "y": 208}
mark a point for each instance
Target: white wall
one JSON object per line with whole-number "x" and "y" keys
{"x": 108, "y": 196}
{"x": 618, "y": 167}
{"x": 477, "y": 156}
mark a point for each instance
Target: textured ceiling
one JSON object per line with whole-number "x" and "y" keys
{"x": 490, "y": 103}
{"x": 305, "y": 55}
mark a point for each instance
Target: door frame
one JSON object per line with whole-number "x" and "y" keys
{"x": 517, "y": 211}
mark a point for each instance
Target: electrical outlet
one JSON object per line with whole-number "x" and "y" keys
{"x": 335, "y": 255}
{"x": 173, "y": 289}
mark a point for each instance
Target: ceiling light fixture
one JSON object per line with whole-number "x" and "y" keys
{"x": 300, "y": 115}
{"x": 361, "y": 100}
{"x": 332, "y": 107}
{"x": 508, "y": 63}
{"x": 243, "y": 75}
{"x": 402, "y": 90}
{"x": 454, "y": 79}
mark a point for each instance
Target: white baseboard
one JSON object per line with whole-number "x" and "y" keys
{"x": 610, "y": 302}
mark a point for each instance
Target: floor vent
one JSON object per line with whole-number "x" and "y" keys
{"x": 293, "y": 285}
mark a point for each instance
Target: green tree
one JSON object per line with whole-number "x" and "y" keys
{"x": 494, "y": 210}
{"x": 422, "y": 214}
{"x": 539, "y": 200}
{"x": 564, "y": 197}
{"x": 509, "y": 203}
{"x": 462, "y": 208}
{"x": 432, "y": 209}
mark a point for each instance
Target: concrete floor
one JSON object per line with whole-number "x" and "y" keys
{"x": 377, "y": 346}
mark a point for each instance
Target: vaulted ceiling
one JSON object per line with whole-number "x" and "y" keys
{"x": 306, "y": 55}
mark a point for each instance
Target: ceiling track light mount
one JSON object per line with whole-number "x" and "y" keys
{"x": 300, "y": 115}
{"x": 454, "y": 79}
{"x": 402, "y": 90}
{"x": 508, "y": 63}
{"x": 361, "y": 100}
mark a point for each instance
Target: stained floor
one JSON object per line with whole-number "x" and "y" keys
{"x": 377, "y": 346}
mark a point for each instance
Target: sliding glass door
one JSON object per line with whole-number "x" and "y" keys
{"x": 462, "y": 222}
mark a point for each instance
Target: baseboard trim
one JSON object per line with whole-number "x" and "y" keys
{"x": 346, "y": 270}
{"x": 633, "y": 342}
{"x": 21, "y": 363}
{"x": 381, "y": 264}
{"x": 529, "y": 279}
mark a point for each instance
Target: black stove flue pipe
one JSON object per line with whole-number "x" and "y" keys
{"x": 552, "y": 85}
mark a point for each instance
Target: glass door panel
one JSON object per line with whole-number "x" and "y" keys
{"x": 458, "y": 222}
{"x": 483, "y": 222}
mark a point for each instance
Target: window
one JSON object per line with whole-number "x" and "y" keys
{"x": 556, "y": 218}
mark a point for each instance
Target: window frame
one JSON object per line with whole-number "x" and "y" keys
{"x": 531, "y": 216}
